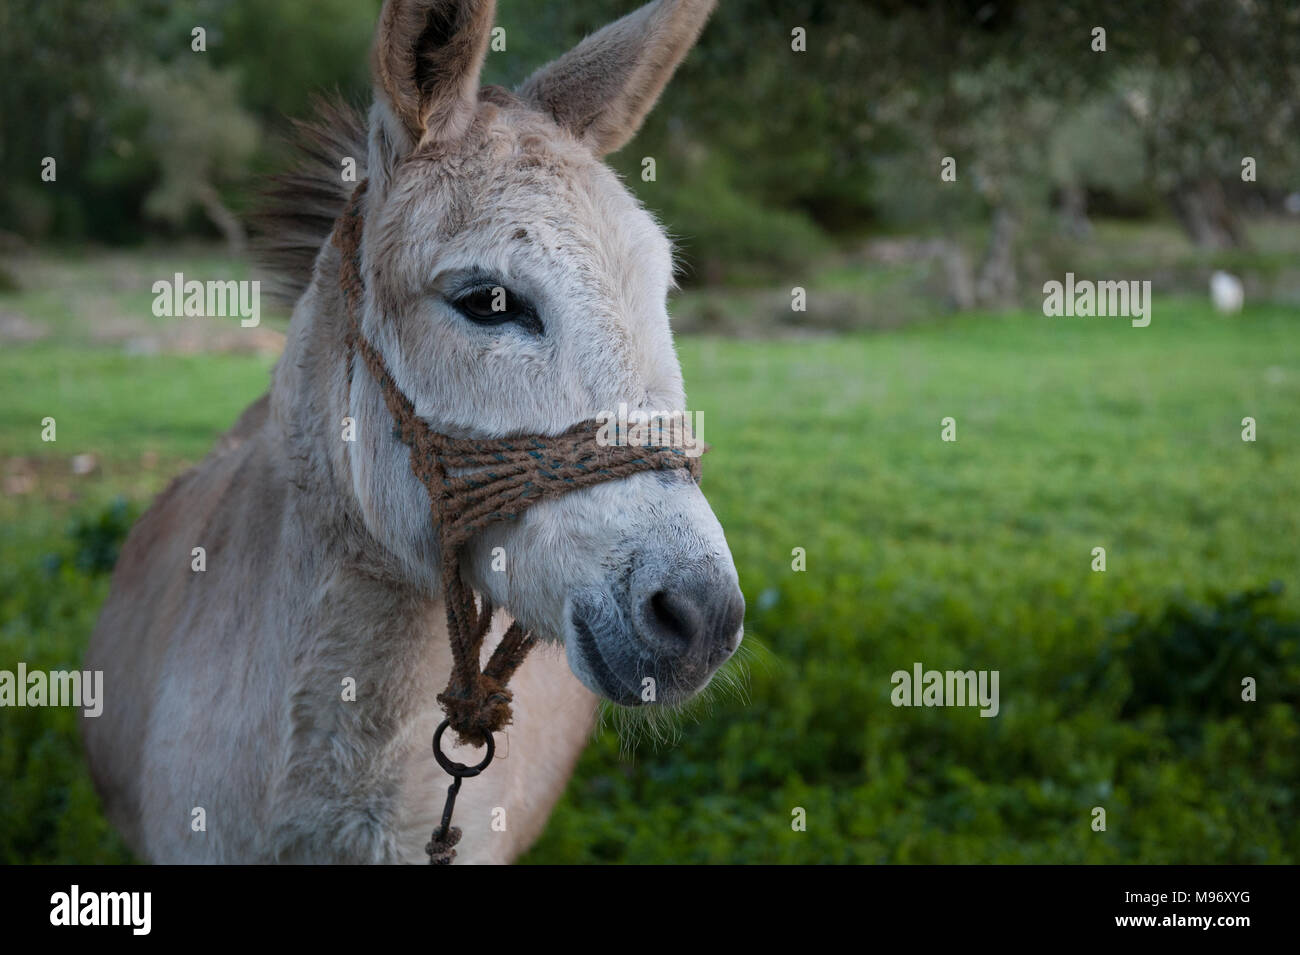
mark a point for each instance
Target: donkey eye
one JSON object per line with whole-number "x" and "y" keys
{"x": 496, "y": 305}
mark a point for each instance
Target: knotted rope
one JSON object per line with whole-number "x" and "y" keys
{"x": 471, "y": 483}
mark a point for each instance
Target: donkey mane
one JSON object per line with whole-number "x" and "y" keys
{"x": 296, "y": 210}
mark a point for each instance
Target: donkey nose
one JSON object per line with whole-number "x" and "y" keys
{"x": 700, "y": 618}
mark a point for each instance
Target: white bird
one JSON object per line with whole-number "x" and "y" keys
{"x": 1227, "y": 292}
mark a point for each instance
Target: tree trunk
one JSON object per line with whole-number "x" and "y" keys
{"x": 223, "y": 219}
{"x": 957, "y": 272}
{"x": 1205, "y": 215}
{"x": 997, "y": 283}
{"x": 1074, "y": 211}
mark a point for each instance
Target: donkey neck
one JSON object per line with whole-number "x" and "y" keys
{"x": 310, "y": 432}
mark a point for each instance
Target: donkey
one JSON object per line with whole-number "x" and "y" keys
{"x": 229, "y": 731}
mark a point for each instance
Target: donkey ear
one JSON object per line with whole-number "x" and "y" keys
{"x": 426, "y": 62}
{"x": 602, "y": 89}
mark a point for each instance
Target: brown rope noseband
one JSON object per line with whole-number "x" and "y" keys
{"x": 474, "y": 482}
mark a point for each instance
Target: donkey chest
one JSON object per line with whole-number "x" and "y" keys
{"x": 503, "y": 811}
{"x": 360, "y": 782}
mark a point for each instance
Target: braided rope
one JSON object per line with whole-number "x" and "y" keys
{"x": 474, "y": 482}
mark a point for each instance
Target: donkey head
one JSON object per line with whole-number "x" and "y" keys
{"x": 513, "y": 285}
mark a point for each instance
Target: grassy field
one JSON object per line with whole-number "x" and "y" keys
{"x": 1119, "y": 690}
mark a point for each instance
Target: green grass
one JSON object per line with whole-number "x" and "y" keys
{"x": 120, "y": 406}
{"x": 1118, "y": 689}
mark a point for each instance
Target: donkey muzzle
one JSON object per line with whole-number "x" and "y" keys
{"x": 675, "y": 632}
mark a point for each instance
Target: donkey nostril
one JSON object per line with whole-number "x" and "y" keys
{"x": 673, "y": 619}
{"x": 700, "y": 619}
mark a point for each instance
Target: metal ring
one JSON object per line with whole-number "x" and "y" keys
{"x": 459, "y": 770}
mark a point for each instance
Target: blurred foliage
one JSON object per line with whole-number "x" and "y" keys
{"x": 49, "y": 811}
{"x": 285, "y": 52}
{"x": 764, "y": 154}
{"x": 96, "y": 538}
{"x": 201, "y": 137}
{"x": 1191, "y": 658}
